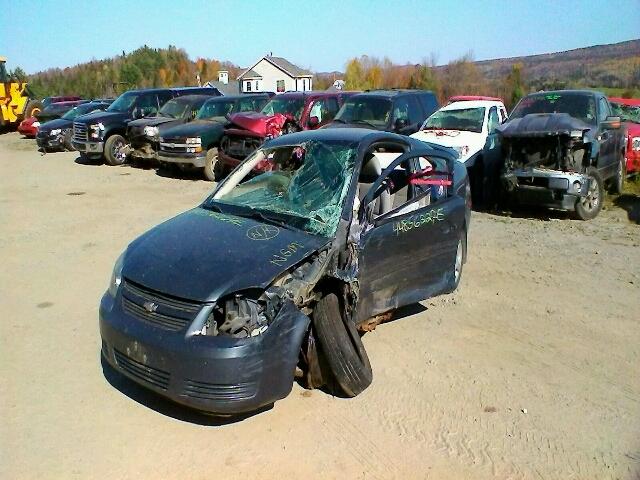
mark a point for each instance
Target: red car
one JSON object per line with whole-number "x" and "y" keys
{"x": 629, "y": 110}
{"x": 29, "y": 127}
{"x": 285, "y": 113}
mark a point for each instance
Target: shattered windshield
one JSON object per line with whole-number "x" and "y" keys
{"x": 627, "y": 113}
{"x": 217, "y": 109}
{"x": 470, "y": 119}
{"x": 580, "y": 106}
{"x": 285, "y": 106}
{"x": 368, "y": 110}
{"x": 304, "y": 186}
{"x": 174, "y": 109}
{"x": 123, "y": 103}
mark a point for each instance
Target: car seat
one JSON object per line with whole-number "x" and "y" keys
{"x": 370, "y": 172}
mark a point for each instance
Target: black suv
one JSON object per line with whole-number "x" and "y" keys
{"x": 104, "y": 132}
{"x": 143, "y": 133}
{"x": 399, "y": 111}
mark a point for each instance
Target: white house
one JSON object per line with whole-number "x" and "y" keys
{"x": 274, "y": 74}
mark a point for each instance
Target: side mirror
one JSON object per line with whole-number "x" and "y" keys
{"x": 400, "y": 124}
{"x": 611, "y": 123}
{"x": 313, "y": 122}
{"x": 137, "y": 113}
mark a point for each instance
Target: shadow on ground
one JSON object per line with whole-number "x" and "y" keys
{"x": 629, "y": 202}
{"x": 166, "y": 407}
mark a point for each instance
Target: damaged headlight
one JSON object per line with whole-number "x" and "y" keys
{"x": 35, "y": 124}
{"x": 151, "y": 131}
{"x": 96, "y": 130}
{"x": 55, "y": 132}
{"x": 635, "y": 144}
{"x": 116, "y": 276}
{"x": 238, "y": 317}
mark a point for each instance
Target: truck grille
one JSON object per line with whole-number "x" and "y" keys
{"x": 80, "y": 132}
{"x": 174, "y": 145}
{"x": 159, "y": 310}
{"x": 145, "y": 373}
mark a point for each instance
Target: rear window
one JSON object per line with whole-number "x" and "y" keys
{"x": 429, "y": 103}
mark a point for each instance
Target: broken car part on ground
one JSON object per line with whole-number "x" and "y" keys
{"x": 216, "y": 307}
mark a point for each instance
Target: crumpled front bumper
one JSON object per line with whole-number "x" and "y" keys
{"x": 88, "y": 147}
{"x": 219, "y": 374}
{"x": 49, "y": 142}
{"x": 549, "y": 188}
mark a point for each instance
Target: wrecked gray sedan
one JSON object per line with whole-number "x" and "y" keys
{"x": 278, "y": 273}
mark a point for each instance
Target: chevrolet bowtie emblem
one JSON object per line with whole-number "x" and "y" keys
{"x": 150, "y": 307}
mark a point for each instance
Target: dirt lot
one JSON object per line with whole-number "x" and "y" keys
{"x": 531, "y": 370}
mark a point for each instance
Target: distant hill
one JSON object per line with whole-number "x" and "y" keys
{"x": 615, "y": 65}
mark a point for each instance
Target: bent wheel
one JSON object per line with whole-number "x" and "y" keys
{"x": 458, "y": 263}
{"x": 342, "y": 347}
{"x": 210, "y": 165}
{"x": 617, "y": 185}
{"x": 589, "y": 206}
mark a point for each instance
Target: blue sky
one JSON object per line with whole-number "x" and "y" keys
{"x": 320, "y": 35}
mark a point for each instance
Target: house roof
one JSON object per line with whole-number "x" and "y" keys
{"x": 225, "y": 89}
{"x": 280, "y": 63}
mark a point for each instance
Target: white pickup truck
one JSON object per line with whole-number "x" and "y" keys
{"x": 468, "y": 125}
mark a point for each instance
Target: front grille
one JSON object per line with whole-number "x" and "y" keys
{"x": 241, "y": 147}
{"x": 80, "y": 132}
{"x": 145, "y": 373}
{"x": 174, "y": 145}
{"x": 162, "y": 311}
{"x": 212, "y": 391}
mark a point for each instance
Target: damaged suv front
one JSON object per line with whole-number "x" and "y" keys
{"x": 550, "y": 152}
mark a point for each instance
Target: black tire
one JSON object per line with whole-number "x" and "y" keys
{"x": 617, "y": 182}
{"x": 342, "y": 347}
{"x": 33, "y": 107}
{"x": 210, "y": 165}
{"x": 458, "y": 263}
{"x": 113, "y": 150}
{"x": 68, "y": 133}
{"x": 588, "y": 207}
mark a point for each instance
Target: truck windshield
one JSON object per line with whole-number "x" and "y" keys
{"x": 173, "y": 109}
{"x": 469, "y": 119}
{"x": 80, "y": 110}
{"x": 304, "y": 186}
{"x": 368, "y": 110}
{"x": 123, "y": 103}
{"x": 215, "y": 110}
{"x": 285, "y": 106}
{"x": 578, "y": 105}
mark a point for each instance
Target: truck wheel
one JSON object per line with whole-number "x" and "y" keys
{"x": 68, "y": 133}
{"x": 458, "y": 263}
{"x": 210, "y": 165}
{"x": 589, "y": 206}
{"x": 33, "y": 108}
{"x": 114, "y": 150}
{"x": 343, "y": 350}
{"x": 617, "y": 183}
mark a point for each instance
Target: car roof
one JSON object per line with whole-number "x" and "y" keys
{"x": 466, "y": 98}
{"x": 226, "y": 98}
{"x": 359, "y": 135}
{"x": 192, "y": 98}
{"x": 308, "y": 94}
{"x": 472, "y": 104}
{"x": 391, "y": 93}
{"x": 565, "y": 92}
{"x": 631, "y": 102}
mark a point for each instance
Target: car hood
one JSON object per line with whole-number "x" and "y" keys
{"x": 153, "y": 121}
{"x": 542, "y": 125}
{"x": 192, "y": 129}
{"x": 102, "y": 117}
{"x": 382, "y": 128}
{"x": 203, "y": 255}
{"x": 633, "y": 128}
{"x": 453, "y": 138}
{"x": 259, "y": 123}
{"x": 57, "y": 123}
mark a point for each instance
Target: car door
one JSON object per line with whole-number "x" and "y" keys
{"x": 407, "y": 253}
{"x": 607, "y": 161}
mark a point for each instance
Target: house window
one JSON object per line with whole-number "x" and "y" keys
{"x": 280, "y": 86}
{"x": 257, "y": 89}
{"x": 247, "y": 87}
